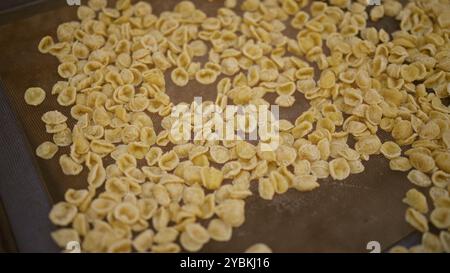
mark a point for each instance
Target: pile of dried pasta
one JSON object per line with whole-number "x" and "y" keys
{"x": 141, "y": 197}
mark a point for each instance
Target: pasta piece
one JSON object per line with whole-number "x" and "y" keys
{"x": 400, "y": 164}
{"x": 418, "y": 178}
{"x": 252, "y": 51}
{"x": 231, "y": 212}
{"x": 219, "y": 154}
{"x": 416, "y": 200}
{"x": 53, "y": 117}
{"x": 231, "y": 169}
{"x": 445, "y": 240}
{"x": 62, "y": 213}
{"x": 285, "y": 155}
{"x": 443, "y": 161}
{"x": 67, "y": 96}
{"x": 166, "y": 248}
{"x": 126, "y": 213}
{"x": 46, "y": 150}
{"x": 34, "y": 96}
{"x": 188, "y": 243}
{"x": 168, "y": 161}
{"x": 211, "y": 177}
{"x": 258, "y": 248}
{"x": 206, "y": 76}
{"x": 422, "y": 162}
{"x": 431, "y": 242}
{"x": 67, "y": 70}
{"x": 440, "y": 179}
{"x": 266, "y": 189}
{"x": 197, "y": 233}
{"x": 143, "y": 241}
{"x": 219, "y": 230}
{"x": 65, "y": 235}
{"x": 165, "y": 235}
{"x": 327, "y": 79}
{"x": 180, "y": 76}
{"x": 193, "y": 195}
{"x": 440, "y": 217}
{"x": 69, "y": 166}
{"x": 153, "y": 155}
{"x": 305, "y": 183}
{"x": 120, "y": 246}
{"x": 339, "y": 168}
{"x": 390, "y": 150}
{"x": 416, "y": 220}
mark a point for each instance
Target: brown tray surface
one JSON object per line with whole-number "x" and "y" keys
{"x": 338, "y": 217}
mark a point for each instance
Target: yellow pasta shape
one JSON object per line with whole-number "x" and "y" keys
{"x": 102, "y": 206}
{"x": 126, "y": 213}
{"x": 69, "y": 166}
{"x": 279, "y": 181}
{"x": 229, "y": 66}
{"x": 153, "y": 155}
{"x": 62, "y": 213}
{"x": 219, "y": 230}
{"x": 445, "y": 240}
{"x": 211, "y": 177}
{"x": 440, "y": 179}
{"x": 34, "y": 96}
{"x": 339, "y": 168}
{"x": 231, "y": 169}
{"x": 126, "y": 162}
{"x": 143, "y": 241}
{"x": 416, "y": 200}
{"x": 442, "y": 160}
{"x": 258, "y": 248}
{"x": 266, "y": 189}
{"x": 188, "y": 243}
{"x": 67, "y": 96}
{"x": 368, "y": 145}
{"x": 416, "y": 220}
{"x": 400, "y": 164}
{"x": 168, "y": 161}
{"x": 120, "y": 246}
{"x": 75, "y": 197}
{"x": 67, "y": 70}
{"x": 440, "y": 217}
{"x": 390, "y": 149}
{"x": 309, "y": 152}
{"x": 65, "y": 235}
{"x": 231, "y": 212}
{"x": 180, "y": 76}
{"x": 252, "y": 51}
{"x": 305, "y": 183}
{"x": 418, "y": 178}
{"x": 245, "y": 150}
{"x": 193, "y": 195}
{"x": 206, "y": 76}
{"x": 101, "y": 147}
{"x": 219, "y": 154}
{"x": 96, "y": 176}
{"x": 285, "y": 155}
{"x": 422, "y": 162}
{"x": 165, "y": 235}
{"x": 46, "y": 150}
{"x": 53, "y": 117}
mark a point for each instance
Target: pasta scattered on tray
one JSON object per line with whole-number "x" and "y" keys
{"x": 142, "y": 196}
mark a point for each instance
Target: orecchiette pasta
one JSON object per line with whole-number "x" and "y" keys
{"x": 46, "y": 150}
{"x": 258, "y": 248}
{"x": 34, "y": 96}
